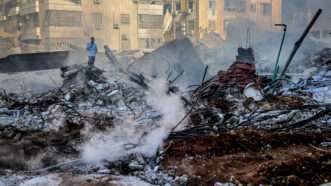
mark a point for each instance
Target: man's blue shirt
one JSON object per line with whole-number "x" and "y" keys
{"x": 92, "y": 49}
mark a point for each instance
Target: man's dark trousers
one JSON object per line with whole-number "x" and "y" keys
{"x": 91, "y": 60}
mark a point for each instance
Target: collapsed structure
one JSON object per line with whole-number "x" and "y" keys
{"x": 174, "y": 127}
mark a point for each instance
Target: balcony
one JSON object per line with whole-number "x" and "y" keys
{"x": 31, "y": 34}
{"x": 9, "y": 1}
{"x": 30, "y": 7}
{"x": 62, "y": 5}
{"x": 3, "y": 18}
{"x": 150, "y": 9}
{"x": 149, "y": 33}
{"x": 63, "y": 32}
{"x": 14, "y": 11}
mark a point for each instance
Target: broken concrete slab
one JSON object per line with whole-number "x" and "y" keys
{"x": 170, "y": 60}
{"x": 33, "y": 61}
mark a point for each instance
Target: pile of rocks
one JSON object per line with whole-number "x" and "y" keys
{"x": 224, "y": 107}
{"x": 85, "y": 96}
{"x": 53, "y": 125}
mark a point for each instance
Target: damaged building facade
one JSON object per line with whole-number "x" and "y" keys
{"x": 43, "y": 25}
{"x": 125, "y": 25}
{"x": 195, "y": 18}
{"x": 4, "y": 38}
{"x": 145, "y": 24}
{"x": 37, "y": 25}
{"x": 192, "y": 18}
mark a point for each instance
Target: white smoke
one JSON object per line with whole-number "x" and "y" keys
{"x": 130, "y": 137}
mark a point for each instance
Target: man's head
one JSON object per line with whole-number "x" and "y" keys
{"x": 92, "y": 39}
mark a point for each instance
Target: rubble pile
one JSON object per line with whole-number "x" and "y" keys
{"x": 321, "y": 58}
{"x": 239, "y": 137}
{"x": 85, "y": 96}
{"x": 318, "y": 83}
{"x": 224, "y": 102}
{"x": 233, "y": 131}
{"x": 241, "y": 73}
{"x": 49, "y": 128}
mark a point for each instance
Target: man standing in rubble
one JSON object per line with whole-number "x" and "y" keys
{"x": 92, "y": 51}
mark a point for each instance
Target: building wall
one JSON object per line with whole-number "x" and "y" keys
{"x": 212, "y": 16}
{"x": 322, "y": 29}
{"x": 11, "y": 11}
{"x": 264, "y": 18}
{"x": 202, "y": 20}
{"x": 263, "y": 13}
{"x": 2, "y": 16}
{"x": 118, "y": 26}
{"x": 4, "y": 44}
{"x": 93, "y": 21}
{"x": 150, "y": 19}
{"x": 50, "y": 24}
{"x": 116, "y": 23}
{"x": 10, "y": 23}
{"x": 62, "y": 23}
{"x": 191, "y": 18}
{"x": 65, "y": 24}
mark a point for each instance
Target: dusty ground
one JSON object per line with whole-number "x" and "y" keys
{"x": 29, "y": 150}
{"x": 68, "y": 179}
{"x": 253, "y": 157}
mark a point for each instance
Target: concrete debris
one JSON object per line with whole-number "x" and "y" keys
{"x": 239, "y": 74}
{"x": 54, "y": 124}
{"x": 219, "y": 109}
{"x": 78, "y": 75}
{"x": 173, "y": 58}
{"x": 224, "y": 184}
{"x": 318, "y": 83}
{"x": 218, "y": 98}
{"x": 321, "y": 58}
{"x": 81, "y": 180}
{"x": 33, "y": 61}
{"x": 252, "y": 91}
{"x": 233, "y": 131}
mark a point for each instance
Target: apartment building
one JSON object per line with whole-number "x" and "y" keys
{"x": 322, "y": 29}
{"x": 212, "y": 15}
{"x": 2, "y": 17}
{"x": 206, "y": 16}
{"x": 11, "y": 15}
{"x": 183, "y": 18}
{"x": 192, "y": 18}
{"x": 64, "y": 24}
{"x": 10, "y": 26}
{"x": 150, "y": 18}
{"x": 38, "y": 25}
{"x": 263, "y": 14}
{"x": 50, "y": 24}
{"x": 4, "y": 38}
{"x": 2, "y": 13}
{"x": 124, "y": 24}
{"x": 188, "y": 17}
{"x": 258, "y": 13}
